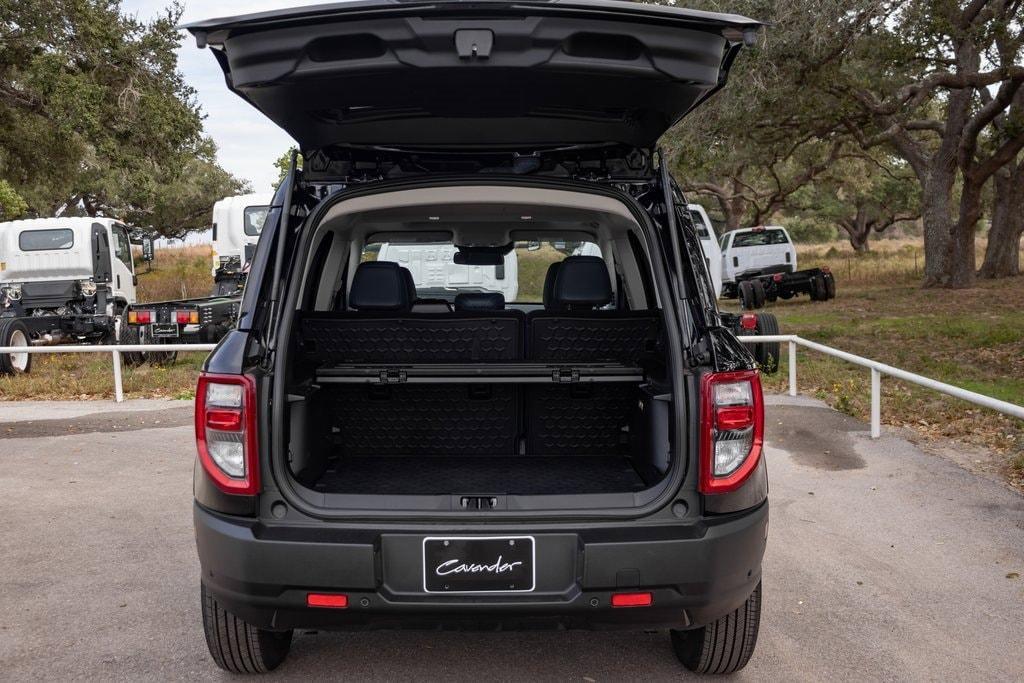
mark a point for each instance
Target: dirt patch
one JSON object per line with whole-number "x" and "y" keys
{"x": 98, "y": 422}
{"x": 821, "y": 441}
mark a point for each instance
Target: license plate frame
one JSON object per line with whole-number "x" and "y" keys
{"x": 491, "y": 553}
{"x": 164, "y": 330}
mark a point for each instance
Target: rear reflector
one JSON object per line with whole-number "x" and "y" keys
{"x": 632, "y": 599}
{"x": 748, "y": 321}
{"x": 332, "y": 600}
{"x": 223, "y": 419}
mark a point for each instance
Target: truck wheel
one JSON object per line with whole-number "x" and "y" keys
{"x": 238, "y": 647}
{"x": 14, "y": 333}
{"x": 724, "y": 646}
{"x": 760, "y": 296}
{"x": 129, "y": 335}
{"x": 830, "y": 286}
{"x": 818, "y": 289}
{"x": 767, "y": 353}
{"x": 747, "y": 299}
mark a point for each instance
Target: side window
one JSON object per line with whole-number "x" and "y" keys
{"x": 122, "y": 247}
{"x": 723, "y": 241}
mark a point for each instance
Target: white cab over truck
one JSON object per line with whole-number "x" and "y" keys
{"x": 62, "y": 280}
{"x": 437, "y": 276}
{"x": 709, "y": 243}
{"x": 759, "y": 265}
{"x": 237, "y": 222}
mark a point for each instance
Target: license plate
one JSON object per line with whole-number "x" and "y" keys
{"x": 470, "y": 564}
{"x": 163, "y": 330}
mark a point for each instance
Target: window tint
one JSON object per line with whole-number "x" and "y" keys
{"x": 44, "y": 240}
{"x": 699, "y": 225}
{"x": 122, "y": 247}
{"x": 253, "y": 218}
{"x": 760, "y": 239}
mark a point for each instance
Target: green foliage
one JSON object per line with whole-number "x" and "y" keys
{"x": 95, "y": 116}
{"x": 810, "y": 230}
{"x": 283, "y": 164}
{"x": 11, "y": 203}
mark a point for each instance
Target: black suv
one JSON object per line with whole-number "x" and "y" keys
{"x": 528, "y": 412}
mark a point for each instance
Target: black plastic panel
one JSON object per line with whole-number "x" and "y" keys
{"x": 419, "y": 338}
{"x": 592, "y": 337}
{"x": 420, "y": 419}
{"x": 579, "y": 419}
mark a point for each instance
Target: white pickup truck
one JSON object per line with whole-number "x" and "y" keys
{"x": 437, "y": 276}
{"x": 63, "y": 280}
{"x": 759, "y": 265}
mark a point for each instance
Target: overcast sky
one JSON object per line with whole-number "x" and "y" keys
{"x": 248, "y": 143}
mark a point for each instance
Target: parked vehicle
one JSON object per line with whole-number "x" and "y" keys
{"x": 63, "y": 280}
{"x": 709, "y": 243}
{"x": 436, "y": 275}
{"x": 592, "y": 459}
{"x": 759, "y": 265}
{"x": 237, "y": 222}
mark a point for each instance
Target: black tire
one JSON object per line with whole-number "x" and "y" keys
{"x": 14, "y": 333}
{"x": 767, "y": 353}
{"x": 128, "y": 334}
{"x": 724, "y": 646}
{"x": 746, "y": 295}
{"x": 818, "y": 289}
{"x": 830, "y": 286}
{"x": 237, "y": 646}
{"x": 760, "y": 296}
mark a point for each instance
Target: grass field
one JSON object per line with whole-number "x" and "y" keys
{"x": 972, "y": 338}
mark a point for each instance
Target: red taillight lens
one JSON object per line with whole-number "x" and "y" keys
{"x": 335, "y": 600}
{"x": 732, "y": 429}
{"x": 181, "y": 317}
{"x": 748, "y": 321}
{"x": 226, "y": 432}
{"x": 144, "y": 317}
{"x": 632, "y": 600}
{"x": 777, "y": 277}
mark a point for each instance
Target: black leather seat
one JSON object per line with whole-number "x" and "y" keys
{"x": 480, "y": 301}
{"x": 422, "y": 305}
{"x": 584, "y": 418}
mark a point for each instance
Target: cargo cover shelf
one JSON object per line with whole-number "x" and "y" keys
{"x": 485, "y": 373}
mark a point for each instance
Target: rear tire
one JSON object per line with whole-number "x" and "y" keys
{"x": 14, "y": 333}
{"x": 724, "y": 646}
{"x": 127, "y": 334}
{"x": 746, "y": 294}
{"x": 830, "y": 286}
{"x": 818, "y": 290}
{"x": 767, "y": 353}
{"x": 760, "y": 296}
{"x": 237, "y": 646}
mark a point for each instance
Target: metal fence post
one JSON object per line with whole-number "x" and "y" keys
{"x": 792, "y": 368}
{"x": 118, "y": 389}
{"x": 876, "y": 403}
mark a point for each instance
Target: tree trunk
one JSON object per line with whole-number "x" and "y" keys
{"x": 858, "y": 229}
{"x": 1002, "y": 254}
{"x": 936, "y": 215}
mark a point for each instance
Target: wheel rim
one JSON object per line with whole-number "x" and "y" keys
{"x": 19, "y": 361}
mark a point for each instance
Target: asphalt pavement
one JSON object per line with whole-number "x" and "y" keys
{"x": 883, "y": 563}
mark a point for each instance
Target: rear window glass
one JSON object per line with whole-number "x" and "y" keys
{"x": 520, "y": 278}
{"x": 46, "y": 240}
{"x": 254, "y": 216}
{"x": 759, "y": 239}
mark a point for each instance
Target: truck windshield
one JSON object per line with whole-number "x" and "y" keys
{"x": 253, "y": 218}
{"x": 46, "y": 240}
{"x": 760, "y": 238}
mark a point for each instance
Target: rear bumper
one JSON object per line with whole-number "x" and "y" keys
{"x": 697, "y": 573}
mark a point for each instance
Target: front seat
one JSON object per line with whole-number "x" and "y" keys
{"x": 379, "y": 286}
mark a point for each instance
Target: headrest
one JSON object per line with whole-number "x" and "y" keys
{"x": 583, "y": 282}
{"x": 379, "y": 286}
{"x": 549, "y": 285}
{"x": 480, "y": 301}
{"x": 410, "y": 283}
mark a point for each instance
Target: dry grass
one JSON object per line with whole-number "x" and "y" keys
{"x": 177, "y": 273}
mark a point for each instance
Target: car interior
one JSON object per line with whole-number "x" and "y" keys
{"x": 479, "y": 402}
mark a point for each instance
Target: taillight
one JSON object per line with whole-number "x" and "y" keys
{"x": 732, "y": 429}
{"x": 226, "y": 431}
{"x": 141, "y": 317}
{"x": 748, "y": 321}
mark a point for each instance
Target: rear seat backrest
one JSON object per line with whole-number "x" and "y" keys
{"x": 383, "y": 329}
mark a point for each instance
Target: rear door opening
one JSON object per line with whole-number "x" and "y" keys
{"x": 407, "y": 394}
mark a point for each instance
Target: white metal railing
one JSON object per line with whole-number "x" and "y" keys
{"x": 115, "y": 350}
{"x": 877, "y": 370}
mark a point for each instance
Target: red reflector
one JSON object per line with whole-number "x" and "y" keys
{"x": 734, "y": 417}
{"x": 826, "y": 269}
{"x": 334, "y": 600}
{"x": 223, "y": 419}
{"x": 748, "y": 321}
{"x": 182, "y": 317}
{"x": 632, "y": 600}
{"x": 144, "y": 316}
{"x": 777, "y": 277}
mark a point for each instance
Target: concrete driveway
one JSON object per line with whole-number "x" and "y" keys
{"x": 883, "y": 563}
